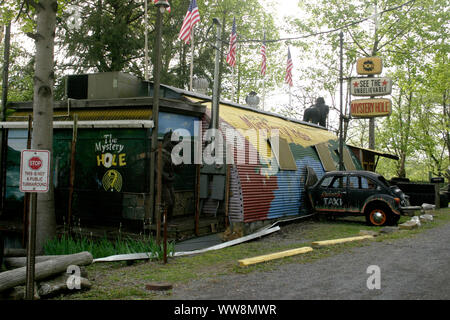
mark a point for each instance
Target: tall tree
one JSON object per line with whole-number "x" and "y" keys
{"x": 402, "y": 33}
{"x": 39, "y": 20}
{"x": 108, "y": 35}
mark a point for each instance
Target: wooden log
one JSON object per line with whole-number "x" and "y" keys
{"x": 16, "y": 277}
{"x": 18, "y": 262}
{"x": 13, "y": 252}
{"x": 59, "y": 285}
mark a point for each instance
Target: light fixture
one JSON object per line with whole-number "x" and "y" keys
{"x": 162, "y": 5}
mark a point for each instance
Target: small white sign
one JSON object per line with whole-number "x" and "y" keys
{"x": 371, "y": 87}
{"x": 34, "y": 171}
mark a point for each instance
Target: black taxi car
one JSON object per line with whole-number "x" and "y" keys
{"x": 358, "y": 193}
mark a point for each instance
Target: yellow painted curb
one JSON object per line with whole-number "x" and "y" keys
{"x": 342, "y": 240}
{"x": 273, "y": 256}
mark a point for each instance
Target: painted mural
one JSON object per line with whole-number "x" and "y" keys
{"x": 266, "y": 193}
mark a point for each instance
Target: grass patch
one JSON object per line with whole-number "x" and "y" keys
{"x": 99, "y": 248}
{"x": 119, "y": 281}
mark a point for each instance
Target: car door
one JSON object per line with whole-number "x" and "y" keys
{"x": 332, "y": 195}
{"x": 360, "y": 188}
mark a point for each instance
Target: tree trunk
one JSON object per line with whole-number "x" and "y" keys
{"x": 42, "y": 138}
{"x": 17, "y": 277}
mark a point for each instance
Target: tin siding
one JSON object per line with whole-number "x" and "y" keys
{"x": 290, "y": 194}
{"x": 235, "y": 208}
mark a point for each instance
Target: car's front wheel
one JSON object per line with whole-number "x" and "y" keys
{"x": 379, "y": 216}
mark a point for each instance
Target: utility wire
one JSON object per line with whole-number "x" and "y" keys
{"x": 347, "y": 25}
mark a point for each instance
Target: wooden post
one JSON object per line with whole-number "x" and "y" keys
{"x": 72, "y": 171}
{"x": 158, "y": 195}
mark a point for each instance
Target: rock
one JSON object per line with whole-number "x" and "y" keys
{"x": 389, "y": 229}
{"x": 427, "y": 206}
{"x": 412, "y": 224}
{"x": 368, "y": 233}
{"x": 426, "y": 218}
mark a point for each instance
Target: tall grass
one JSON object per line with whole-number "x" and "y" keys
{"x": 99, "y": 248}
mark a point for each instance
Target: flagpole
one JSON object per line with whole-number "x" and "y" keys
{"x": 290, "y": 97}
{"x": 233, "y": 88}
{"x": 265, "y": 67}
{"x": 191, "y": 74}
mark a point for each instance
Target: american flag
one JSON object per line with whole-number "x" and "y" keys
{"x": 263, "y": 54}
{"x": 191, "y": 18}
{"x": 231, "y": 56}
{"x": 288, "y": 78}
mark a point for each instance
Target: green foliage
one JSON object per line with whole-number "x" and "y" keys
{"x": 21, "y": 70}
{"x": 408, "y": 36}
{"x": 100, "y": 248}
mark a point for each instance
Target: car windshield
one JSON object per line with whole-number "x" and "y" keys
{"x": 384, "y": 181}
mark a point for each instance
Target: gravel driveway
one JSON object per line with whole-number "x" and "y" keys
{"x": 413, "y": 268}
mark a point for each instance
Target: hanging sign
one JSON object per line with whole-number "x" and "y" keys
{"x": 371, "y": 87}
{"x": 369, "y": 65}
{"x": 370, "y": 108}
{"x": 34, "y": 171}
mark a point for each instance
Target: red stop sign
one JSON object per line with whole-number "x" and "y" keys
{"x": 35, "y": 163}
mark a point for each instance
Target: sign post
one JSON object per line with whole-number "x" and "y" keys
{"x": 34, "y": 178}
{"x": 370, "y": 86}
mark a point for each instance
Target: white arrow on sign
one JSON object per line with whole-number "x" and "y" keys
{"x": 371, "y": 87}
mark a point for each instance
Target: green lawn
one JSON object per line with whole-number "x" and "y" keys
{"x": 119, "y": 281}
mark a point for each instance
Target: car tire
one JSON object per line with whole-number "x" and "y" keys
{"x": 378, "y": 216}
{"x": 394, "y": 219}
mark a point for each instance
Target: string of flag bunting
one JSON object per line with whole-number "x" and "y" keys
{"x": 192, "y": 17}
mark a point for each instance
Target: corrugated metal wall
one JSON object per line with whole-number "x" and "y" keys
{"x": 235, "y": 208}
{"x": 263, "y": 196}
{"x": 256, "y": 195}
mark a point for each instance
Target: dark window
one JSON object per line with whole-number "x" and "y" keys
{"x": 326, "y": 182}
{"x": 353, "y": 182}
{"x": 367, "y": 183}
{"x": 339, "y": 182}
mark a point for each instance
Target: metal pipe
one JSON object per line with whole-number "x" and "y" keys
{"x": 31, "y": 249}
{"x": 341, "y": 142}
{"x": 72, "y": 171}
{"x": 26, "y": 198}
{"x": 150, "y": 207}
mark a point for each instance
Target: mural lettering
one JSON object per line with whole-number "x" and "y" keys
{"x": 111, "y": 152}
{"x": 109, "y": 155}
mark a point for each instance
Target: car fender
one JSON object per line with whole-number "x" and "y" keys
{"x": 388, "y": 200}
